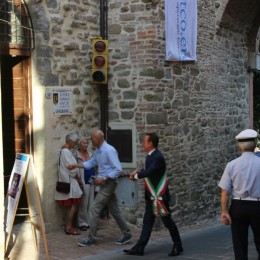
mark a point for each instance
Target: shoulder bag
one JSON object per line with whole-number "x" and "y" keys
{"x": 63, "y": 187}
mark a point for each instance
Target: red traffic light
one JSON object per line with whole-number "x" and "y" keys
{"x": 100, "y": 46}
{"x": 99, "y": 61}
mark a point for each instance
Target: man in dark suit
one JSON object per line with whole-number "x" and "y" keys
{"x": 156, "y": 196}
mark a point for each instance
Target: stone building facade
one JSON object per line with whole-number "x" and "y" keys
{"x": 195, "y": 107}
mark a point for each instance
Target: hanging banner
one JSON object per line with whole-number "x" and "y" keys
{"x": 181, "y": 30}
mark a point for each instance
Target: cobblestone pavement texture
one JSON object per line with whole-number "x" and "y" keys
{"x": 208, "y": 241}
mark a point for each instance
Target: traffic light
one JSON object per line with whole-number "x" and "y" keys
{"x": 99, "y": 61}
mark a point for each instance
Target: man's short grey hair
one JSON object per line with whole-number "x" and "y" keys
{"x": 98, "y": 132}
{"x": 247, "y": 146}
{"x": 71, "y": 137}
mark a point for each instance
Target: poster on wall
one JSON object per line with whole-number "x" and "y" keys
{"x": 62, "y": 101}
{"x": 181, "y": 30}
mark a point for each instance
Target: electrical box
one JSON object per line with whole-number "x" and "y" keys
{"x": 126, "y": 192}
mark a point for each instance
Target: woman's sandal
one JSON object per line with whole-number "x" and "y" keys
{"x": 72, "y": 231}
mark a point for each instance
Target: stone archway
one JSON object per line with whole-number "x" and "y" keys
{"x": 243, "y": 17}
{"x": 238, "y": 16}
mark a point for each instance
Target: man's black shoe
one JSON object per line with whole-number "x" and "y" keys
{"x": 132, "y": 252}
{"x": 175, "y": 251}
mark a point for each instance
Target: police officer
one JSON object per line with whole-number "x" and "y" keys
{"x": 241, "y": 179}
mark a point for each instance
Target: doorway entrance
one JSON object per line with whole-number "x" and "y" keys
{"x": 16, "y": 111}
{"x": 256, "y": 102}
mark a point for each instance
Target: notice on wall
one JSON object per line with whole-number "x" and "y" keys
{"x": 62, "y": 101}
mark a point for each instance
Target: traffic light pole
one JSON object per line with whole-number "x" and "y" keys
{"x": 103, "y": 88}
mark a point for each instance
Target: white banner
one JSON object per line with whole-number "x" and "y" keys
{"x": 181, "y": 29}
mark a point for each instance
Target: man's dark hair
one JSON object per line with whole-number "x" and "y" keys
{"x": 153, "y": 137}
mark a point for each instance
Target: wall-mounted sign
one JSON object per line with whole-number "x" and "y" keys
{"x": 62, "y": 101}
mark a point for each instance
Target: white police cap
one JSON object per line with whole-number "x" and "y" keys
{"x": 246, "y": 135}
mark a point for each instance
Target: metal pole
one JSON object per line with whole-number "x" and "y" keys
{"x": 103, "y": 88}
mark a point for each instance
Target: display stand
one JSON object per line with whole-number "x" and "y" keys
{"x": 23, "y": 173}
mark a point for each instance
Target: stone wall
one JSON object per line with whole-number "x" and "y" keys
{"x": 196, "y": 107}
{"x": 62, "y": 57}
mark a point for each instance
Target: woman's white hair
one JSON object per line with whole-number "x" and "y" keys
{"x": 71, "y": 137}
{"x": 81, "y": 140}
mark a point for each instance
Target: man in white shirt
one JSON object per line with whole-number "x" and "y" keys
{"x": 241, "y": 179}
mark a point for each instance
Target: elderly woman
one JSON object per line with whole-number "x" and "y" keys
{"x": 88, "y": 188}
{"x": 71, "y": 200}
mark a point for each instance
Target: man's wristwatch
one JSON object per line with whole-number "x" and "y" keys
{"x": 105, "y": 178}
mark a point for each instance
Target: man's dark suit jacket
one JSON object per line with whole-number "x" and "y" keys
{"x": 155, "y": 168}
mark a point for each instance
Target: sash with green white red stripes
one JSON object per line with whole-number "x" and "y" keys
{"x": 159, "y": 208}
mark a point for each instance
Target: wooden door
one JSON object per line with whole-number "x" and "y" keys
{"x": 15, "y": 109}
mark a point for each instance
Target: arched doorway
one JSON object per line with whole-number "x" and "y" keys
{"x": 256, "y": 94}
{"x": 244, "y": 19}
{"x": 16, "y": 44}
{"x": 254, "y": 63}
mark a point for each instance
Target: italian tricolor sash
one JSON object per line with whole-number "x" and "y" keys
{"x": 159, "y": 209}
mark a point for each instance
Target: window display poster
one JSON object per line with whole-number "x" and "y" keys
{"x": 15, "y": 188}
{"x": 23, "y": 173}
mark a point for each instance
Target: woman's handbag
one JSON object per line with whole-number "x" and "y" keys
{"x": 63, "y": 187}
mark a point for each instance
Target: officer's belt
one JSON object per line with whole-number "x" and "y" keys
{"x": 247, "y": 198}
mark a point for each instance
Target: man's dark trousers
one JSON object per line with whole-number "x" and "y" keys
{"x": 244, "y": 214}
{"x": 148, "y": 222}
